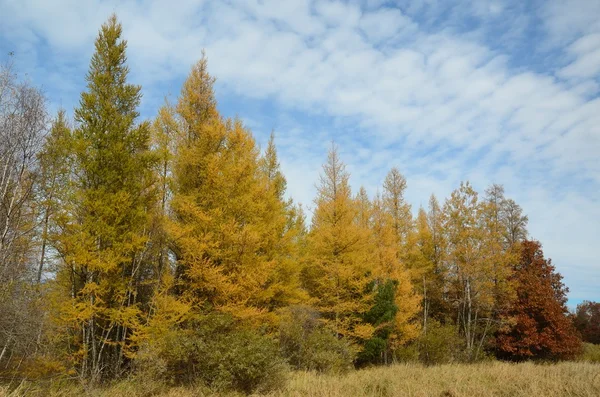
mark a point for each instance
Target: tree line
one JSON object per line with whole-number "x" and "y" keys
{"x": 168, "y": 247}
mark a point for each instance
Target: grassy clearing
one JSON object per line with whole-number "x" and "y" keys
{"x": 489, "y": 379}
{"x": 486, "y": 379}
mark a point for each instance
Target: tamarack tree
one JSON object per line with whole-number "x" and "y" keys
{"x": 100, "y": 230}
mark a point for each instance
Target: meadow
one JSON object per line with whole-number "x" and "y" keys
{"x": 455, "y": 380}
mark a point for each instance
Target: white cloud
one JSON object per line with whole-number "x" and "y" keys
{"x": 586, "y": 51}
{"x": 386, "y": 23}
{"x": 567, "y": 20}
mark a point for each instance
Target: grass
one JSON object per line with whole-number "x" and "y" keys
{"x": 457, "y": 380}
{"x": 591, "y": 353}
{"x": 487, "y": 379}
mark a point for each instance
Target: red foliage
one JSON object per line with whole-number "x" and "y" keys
{"x": 587, "y": 321}
{"x": 541, "y": 328}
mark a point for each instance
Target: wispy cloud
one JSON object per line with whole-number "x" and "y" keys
{"x": 500, "y": 91}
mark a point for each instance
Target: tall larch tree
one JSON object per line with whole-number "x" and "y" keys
{"x": 54, "y": 168}
{"x": 364, "y": 207}
{"x": 200, "y": 136}
{"x": 395, "y": 204}
{"x": 229, "y": 231}
{"x": 101, "y": 230}
{"x": 435, "y": 220}
{"x": 165, "y": 130}
{"x": 284, "y": 232}
{"x": 336, "y": 275}
{"x": 419, "y": 259}
{"x": 399, "y": 218}
{"x": 389, "y": 270}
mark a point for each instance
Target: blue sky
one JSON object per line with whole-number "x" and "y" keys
{"x": 487, "y": 91}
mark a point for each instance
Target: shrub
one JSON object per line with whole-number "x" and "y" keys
{"x": 408, "y": 353}
{"x": 372, "y": 351}
{"x": 307, "y": 345}
{"x": 247, "y": 362}
{"x": 591, "y": 353}
{"x": 213, "y": 351}
{"x": 439, "y": 345}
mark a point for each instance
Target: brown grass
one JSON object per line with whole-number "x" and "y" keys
{"x": 487, "y": 379}
{"x": 460, "y": 380}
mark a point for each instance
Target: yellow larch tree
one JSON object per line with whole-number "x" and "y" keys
{"x": 285, "y": 231}
{"x": 101, "y": 229}
{"x": 230, "y": 228}
{"x": 418, "y": 258}
{"x": 337, "y": 276}
{"x": 396, "y": 206}
{"x": 388, "y": 267}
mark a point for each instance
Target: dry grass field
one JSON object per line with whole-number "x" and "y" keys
{"x": 460, "y": 380}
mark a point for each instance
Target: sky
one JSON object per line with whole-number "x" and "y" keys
{"x": 491, "y": 91}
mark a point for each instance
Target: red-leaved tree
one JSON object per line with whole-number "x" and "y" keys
{"x": 538, "y": 323}
{"x": 587, "y": 321}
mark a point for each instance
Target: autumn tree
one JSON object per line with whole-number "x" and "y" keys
{"x": 541, "y": 328}
{"x": 232, "y": 231}
{"x": 285, "y": 234}
{"x": 364, "y": 208}
{"x": 54, "y": 173}
{"x": 587, "y": 321}
{"x": 101, "y": 229}
{"x": 437, "y": 296}
{"x": 396, "y": 301}
{"x": 164, "y": 132}
{"x": 470, "y": 273}
{"x": 396, "y": 206}
{"x": 337, "y": 275}
{"x": 419, "y": 257}
{"x": 198, "y": 136}
{"x": 499, "y": 252}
